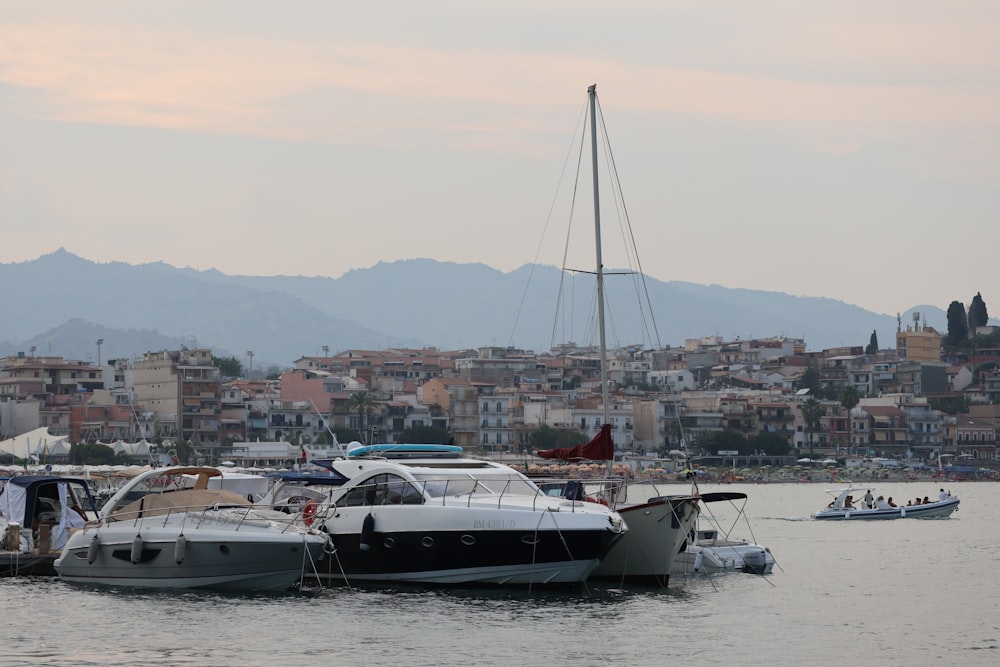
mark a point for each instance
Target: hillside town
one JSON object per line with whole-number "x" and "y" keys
{"x": 711, "y": 398}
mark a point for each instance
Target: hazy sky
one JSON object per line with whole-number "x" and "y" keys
{"x": 841, "y": 149}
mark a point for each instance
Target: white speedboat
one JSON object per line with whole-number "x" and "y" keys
{"x": 428, "y": 514}
{"x": 167, "y": 528}
{"x": 846, "y": 505}
{"x": 37, "y": 514}
{"x": 712, "y": 551}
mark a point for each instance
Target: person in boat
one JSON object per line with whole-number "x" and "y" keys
{"x": 880, "y": 504}
{"x": 942, "y": 495}
{"x": 849, "y": 503}
{"x": 891, "y": 504}
{"x": 917, "y": 501}
{"x": 909, "y": 503}
{"x": 927, "y": 501}
{"x": 868, "y": 499}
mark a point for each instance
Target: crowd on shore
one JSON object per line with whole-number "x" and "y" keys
{"x": 797, "y": 474}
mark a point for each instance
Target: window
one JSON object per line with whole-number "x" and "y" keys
{"x": 499, "y": 409}
{"x": 384, "y": 489}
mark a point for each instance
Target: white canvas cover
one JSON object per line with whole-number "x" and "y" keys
{"x": 12, "y": 502}
{"x": 248, "y": 486}
{"x": 36, "y": 444}
{"x": 133, "y": 449}
{"x": 12, "y": 507}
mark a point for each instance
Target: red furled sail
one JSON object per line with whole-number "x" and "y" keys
{"x": 601, "y": 448}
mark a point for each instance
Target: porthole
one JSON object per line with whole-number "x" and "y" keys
{"x": 389, "y": 543}
{"x": 427, "y": 541}
{"x": 530, "y": 539}
{"x": 468, "y": 540}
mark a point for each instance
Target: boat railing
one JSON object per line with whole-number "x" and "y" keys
{"x": 446, "y": 490}
{"x": 218, "y": 513}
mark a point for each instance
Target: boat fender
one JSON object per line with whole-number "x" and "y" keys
{"x": 93, "y": 549}
{"x": 136, "y": 554}
{"x": 367, "y": 530}
{"x": 902, "y": 513}
{"x": 697, "y": 561}
{"x": 309, "y": 512}
{"x": 180, "y": 549}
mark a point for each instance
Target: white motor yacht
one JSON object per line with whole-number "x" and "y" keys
{"x": 429, "y": 514}
{"x": 167, "y": 528}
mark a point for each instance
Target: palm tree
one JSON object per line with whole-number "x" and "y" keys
{"x": 812, "y": 410}
{"x": 849, "y": 398}
{"x": 363, "y": 403}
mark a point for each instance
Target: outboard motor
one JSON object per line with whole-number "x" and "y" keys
{"x": 755, "y": 561}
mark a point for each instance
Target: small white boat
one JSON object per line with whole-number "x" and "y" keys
{"x": 712, "y": 551}
{"x": 845, "y": 506}
{"x": 167, "y": 528}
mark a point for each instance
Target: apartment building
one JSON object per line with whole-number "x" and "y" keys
{"x": 183, "y": 389}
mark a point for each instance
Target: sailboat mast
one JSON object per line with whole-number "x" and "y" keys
{"x": 592, "y": 94}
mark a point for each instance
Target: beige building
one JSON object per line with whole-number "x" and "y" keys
{"x": 918, "y": 343}
{"x": 183, "y": 389}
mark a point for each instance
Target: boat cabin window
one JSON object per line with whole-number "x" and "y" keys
{"x": 437, "y": 485}
{"x": 384, "y": 489}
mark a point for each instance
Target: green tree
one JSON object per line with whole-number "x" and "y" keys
{"x": 345, "y": 435}
{"x": 810, "y": 380}
{"x": 849, "y": 398}
{"x": 812, "y": 412}
{"x": 723, "y": 441}
{"x": 91, "y": 454}
{"x": 770, "y": 444}
{"x": 872, "y": 344}
{"x": 958, "y": 323}
{"x": 546, "y": 437}
{"x": 426, "y": 435}
{"x": 229, "y": 366}
{"x": 363, "y": 403}
{"x": 978, "y": 317}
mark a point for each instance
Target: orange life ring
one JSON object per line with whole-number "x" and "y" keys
{"x": 309, "y": 512}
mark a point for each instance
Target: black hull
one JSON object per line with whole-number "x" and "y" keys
{"x": 464, "y": 557}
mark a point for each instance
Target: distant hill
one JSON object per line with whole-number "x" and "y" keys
{"x": 63, "y": 303}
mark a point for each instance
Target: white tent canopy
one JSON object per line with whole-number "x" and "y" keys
{"x": 36, "y": 444}
{"x": 132, "y": 449}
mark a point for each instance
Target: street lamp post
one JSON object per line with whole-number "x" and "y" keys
{"x": 100, "y": 341}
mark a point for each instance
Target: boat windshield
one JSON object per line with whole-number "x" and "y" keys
{"x": 437, "y": 485}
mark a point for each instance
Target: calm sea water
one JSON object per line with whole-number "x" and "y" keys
{"x": 913, "y": 592}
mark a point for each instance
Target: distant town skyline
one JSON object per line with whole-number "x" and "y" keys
{"x": 823, "y": 149}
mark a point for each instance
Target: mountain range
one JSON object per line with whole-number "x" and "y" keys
{"x": 61, "y": 304}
